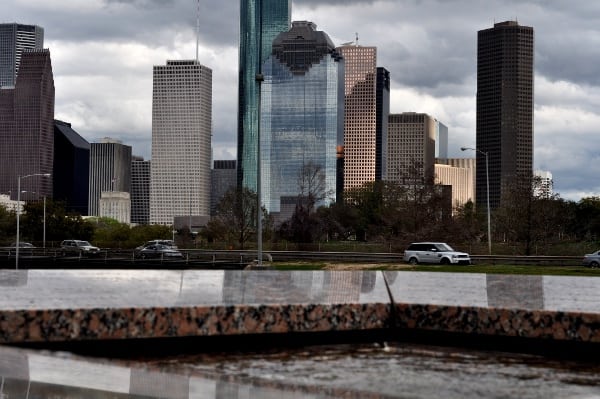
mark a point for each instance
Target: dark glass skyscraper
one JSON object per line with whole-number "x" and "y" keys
{"x": 260, "y": 22}
{"x": 27, "y": 127}
{"x": 504, "y": 107}
{"x": 302, "y": 117}
{"x": 382, "y": 112}
{"x": 71, "y": 168}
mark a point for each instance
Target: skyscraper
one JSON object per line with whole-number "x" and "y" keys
{"x": 411, "y": 148}
{"x": 14, "y": 39}
{"x": 71, "y": 166}
{"x": 382, "y": 96}
{"x": 360, "y": 135}
{"x": 260, "y": 22}
{"x": 110, "y": 170}
{"x": 181, "y": 141}
{"x": 302, "y": 117}
{"x": 223, "y": 178}
{"x": 140, "y": 191}
{"x": 504, "y": 107}
{"x": 27, "y": 127}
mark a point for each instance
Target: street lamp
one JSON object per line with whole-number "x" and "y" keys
{"x": 487, "y": 179}
{"x": 19, "y": 210}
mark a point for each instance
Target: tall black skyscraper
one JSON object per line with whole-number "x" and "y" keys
{"x": 504, "y": 107}
{"x": 71, "y": 168}
{"x": 382, "y": 112}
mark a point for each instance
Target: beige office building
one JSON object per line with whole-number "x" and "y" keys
{"x": 181, "y": 141}
{"x": 115, "y": 205}
{"x": 461, "y": 179}
{"x": 359, "y": 114}
{"x": 411, "y": 148}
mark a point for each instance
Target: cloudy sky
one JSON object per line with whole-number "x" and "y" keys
{"x": 103, "y": 52}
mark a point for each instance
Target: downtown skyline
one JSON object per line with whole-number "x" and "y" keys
{"x": 103, "y": 71}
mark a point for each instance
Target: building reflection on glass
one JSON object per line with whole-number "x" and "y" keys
{"x": 523, "y": 292}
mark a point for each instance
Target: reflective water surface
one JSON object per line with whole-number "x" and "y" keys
{"x": 393, "y": 370}
{"x": 403, "y": 371}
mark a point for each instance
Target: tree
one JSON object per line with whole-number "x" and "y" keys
{"x": 111, "y": 233}
{"x": 312, "y": 185}
{"x": 236, "y": 217}
{"x": 8, "y": 225}
{"x": 304, "y": 225}
{"x": 60, "y": 225}
{"x": 529, "y": 216}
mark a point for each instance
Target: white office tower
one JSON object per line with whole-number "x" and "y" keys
{"x": 181, "y": 141}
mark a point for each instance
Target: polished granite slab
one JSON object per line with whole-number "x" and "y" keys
{"x": 65, "y": 305}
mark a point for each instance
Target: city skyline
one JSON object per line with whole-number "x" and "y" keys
{"x": 429, "y": 49}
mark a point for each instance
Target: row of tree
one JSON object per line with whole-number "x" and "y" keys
{"x": 528, "y": 220}
{"x": 58, "y": 225}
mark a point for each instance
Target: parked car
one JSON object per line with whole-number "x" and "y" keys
{"x": 159, "y": 251}
{"x": 592, "y": 260}
{"x": 434, "y": 252}
{"x": 78, "y": 247}
{"x": 25, "y": 248}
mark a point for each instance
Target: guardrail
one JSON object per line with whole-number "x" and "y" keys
{"x": 198, "y": 258}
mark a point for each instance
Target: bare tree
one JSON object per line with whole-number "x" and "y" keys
{"x": 312, "y": 185}
{"x": 236, "y": 217}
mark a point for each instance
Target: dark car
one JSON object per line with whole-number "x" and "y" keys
{"x": 25, "y": 248}
{"x": 78, "y": 247}
{"x": 159, "y": 251}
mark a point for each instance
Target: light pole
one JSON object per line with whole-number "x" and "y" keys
{"x": 487, "y": 180}
{"x": 259, "y": 79}
{"x": 19, "y": 211}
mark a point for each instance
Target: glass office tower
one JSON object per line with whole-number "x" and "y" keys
{"x": 260, "y": 22}
{"x": 302, "y": 116}
{"x": 14, "y": 39}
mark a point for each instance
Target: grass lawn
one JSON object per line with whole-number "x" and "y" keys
{"x": 479, "y": 268}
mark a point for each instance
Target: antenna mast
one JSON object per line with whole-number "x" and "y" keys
{"x": 197, "y": 28}
{"x": 356, "y": 41}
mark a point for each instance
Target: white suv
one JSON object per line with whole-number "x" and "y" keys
{"x": 434, "y": 252}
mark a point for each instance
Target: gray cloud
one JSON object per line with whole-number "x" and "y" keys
{"x": 103, "y": 53}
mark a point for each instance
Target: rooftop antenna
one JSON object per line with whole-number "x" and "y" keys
{"x": 197, "y": 28}
{"x": 356, "y": 41}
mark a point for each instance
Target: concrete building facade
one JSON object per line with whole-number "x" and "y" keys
{"x": 181, "y": 141}
{"x": 115, "y": 205}
{"x": 110, "y": 170}
{"x": 411, "y": 148}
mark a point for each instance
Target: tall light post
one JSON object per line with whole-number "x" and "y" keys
{"x": 19, "y": 211}
{"x": 259, "y": 79}
{"x": 487, "y": 179}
